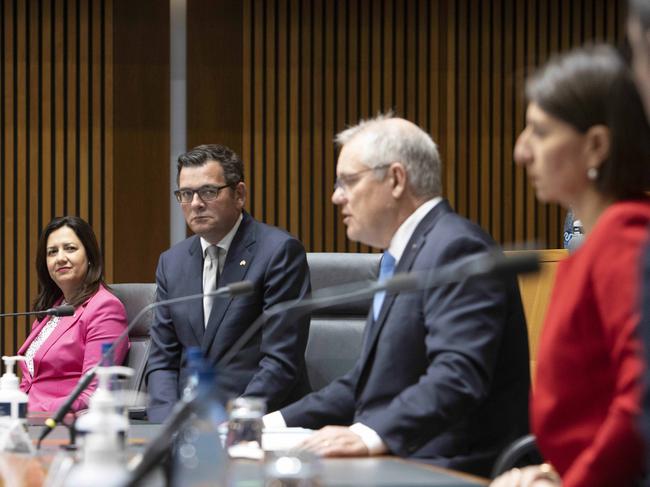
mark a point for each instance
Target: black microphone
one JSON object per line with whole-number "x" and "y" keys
{"x": 63, "y": 310}
{"x": 232, "y": 290}
{"x": 491, "y": 263}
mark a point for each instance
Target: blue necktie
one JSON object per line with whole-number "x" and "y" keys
{"x": 386, "y": 271}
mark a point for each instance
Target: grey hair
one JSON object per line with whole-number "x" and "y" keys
{"x": 640, "y": 9}
{"x": 384, "y": 143}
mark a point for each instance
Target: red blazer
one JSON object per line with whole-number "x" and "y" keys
{"x": 587, "y": 389}
{"x": 71, "y": 350}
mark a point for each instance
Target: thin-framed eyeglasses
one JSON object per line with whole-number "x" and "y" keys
{"x": 346, "y": 181}
{"x": 206, "y": 193}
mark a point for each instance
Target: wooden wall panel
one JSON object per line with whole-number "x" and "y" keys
{"x": 456, "y": 68}
{"x": 139, "y": 136}
{"x": 214, "y": 76}
{"x": 53, "y": 116}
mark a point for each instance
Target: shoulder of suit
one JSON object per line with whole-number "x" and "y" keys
{"x": 454, "y": 228}
{"x": 182, "y": 246}
{"x": 103, "y": 298}
{"x": 270, "y": 232}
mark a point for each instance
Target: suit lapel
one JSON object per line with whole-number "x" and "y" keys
{"x": 34, "y": 333}
{"x": 404, "y": 265}
{"x": 238, "y": 260}
{"x": 64, "y": 324}
{"x": 194, "y": 285}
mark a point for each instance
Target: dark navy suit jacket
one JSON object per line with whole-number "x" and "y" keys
{"x": 644, "y": 334}
{"x": 444, "y": 373}
{"x": 272, "y": 364}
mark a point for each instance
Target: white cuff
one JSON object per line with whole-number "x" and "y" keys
{"x": 274, "y": 420}
{"x": 370, "y": 437}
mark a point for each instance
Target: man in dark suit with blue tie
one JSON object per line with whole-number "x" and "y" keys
{"x": 228, "y": 246}
{"x": 444, "y": 373}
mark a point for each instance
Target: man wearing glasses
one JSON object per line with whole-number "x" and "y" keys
{"x": 228, "y": 246}
{"x": 443, "y": 373}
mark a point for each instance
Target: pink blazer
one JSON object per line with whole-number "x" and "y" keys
{"x": 73, "y": 348}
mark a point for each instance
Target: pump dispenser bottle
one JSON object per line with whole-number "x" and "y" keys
{"x": 104, "y": 431}
{"x": 103, "y": 407}
{"x": 13, "y": 401}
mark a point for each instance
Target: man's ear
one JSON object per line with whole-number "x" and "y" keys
{"x": 240, "y": 194}
{"x": 399, "y": 178}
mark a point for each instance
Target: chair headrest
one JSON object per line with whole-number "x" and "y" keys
{"x": 134, "y": 297}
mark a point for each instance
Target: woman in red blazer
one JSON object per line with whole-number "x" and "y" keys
{"x": 59, "y": 351}
{"x": 586, "y": 145}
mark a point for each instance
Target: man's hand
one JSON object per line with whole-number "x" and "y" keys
{"x": 335, "y": 441}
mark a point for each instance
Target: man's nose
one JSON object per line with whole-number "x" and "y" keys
{"x": 196, "y": 200}
{"x": 338, "y": 196}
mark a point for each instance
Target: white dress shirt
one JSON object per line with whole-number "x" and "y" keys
{"x": 224, "y": 243}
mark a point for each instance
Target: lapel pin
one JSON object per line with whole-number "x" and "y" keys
{"x": 242, "y": 263}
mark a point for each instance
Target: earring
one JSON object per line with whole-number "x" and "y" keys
{"x": 592, "y": 173}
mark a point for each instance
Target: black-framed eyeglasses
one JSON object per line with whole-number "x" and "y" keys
{"x": 206, "y": 193}
{"x": 345, "y": 181}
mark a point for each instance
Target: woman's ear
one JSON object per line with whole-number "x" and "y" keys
{"x": 598, "y": 145}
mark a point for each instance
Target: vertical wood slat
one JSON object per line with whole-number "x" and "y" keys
{"x": 105, "y": 95}
{"x": 350, "y": 59}
{"x": 293, "y": 96}
{"x": 10, "y": 248}
{"x": 48, "y": 80}
{"x": 318, "y": 64}
{"x": 21, "y": 156}
{"x": 304, "y": 22}
{"x": 32, "y": 154}
{"x": 282, "y": 130}
{"x": 270, "y": 109}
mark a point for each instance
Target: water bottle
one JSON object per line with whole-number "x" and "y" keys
{"x": 198, "y": 457}
{"x": 577, "y": 236}
{"x": 195, "y": 362}
{"x": 107, "y": 360}
{"x": 568, "y": 229}
{"x": 245, "y": 425}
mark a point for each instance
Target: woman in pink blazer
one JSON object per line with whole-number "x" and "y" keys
{"x": 60, "y": 350}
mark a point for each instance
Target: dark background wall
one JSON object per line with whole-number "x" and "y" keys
{"x": 84, "y": 111}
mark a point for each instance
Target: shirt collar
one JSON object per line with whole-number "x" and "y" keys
{"x": 406, "y": 229}
{"x": 225, "y": 242}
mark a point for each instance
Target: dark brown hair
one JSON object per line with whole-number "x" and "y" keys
{"x": 233, "y": 168}
{"x": 49, "y": 292}
{"x": 593, "y": 86}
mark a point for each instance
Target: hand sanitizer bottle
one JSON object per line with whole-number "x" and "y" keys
{"x": 13, "y": 401}
{"x": 104, "y": 430}
{"x": 103, "y": 407}
{"x": 103, "y": 463}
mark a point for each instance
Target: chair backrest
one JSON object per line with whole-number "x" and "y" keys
{"x": 135, "y": 296}
{"x": 335, "y": 333}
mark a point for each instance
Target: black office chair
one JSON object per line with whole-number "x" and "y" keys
{"x": 521, "y": 452}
